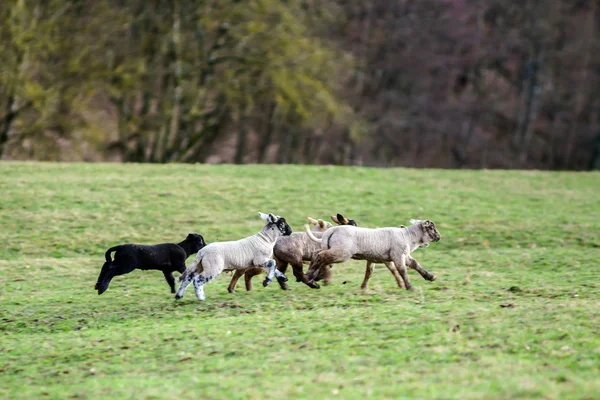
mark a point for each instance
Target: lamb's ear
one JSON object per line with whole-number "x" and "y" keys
{"x": 273, "y": 218}
{"x": 415, "y": 221}
{"x": 402, "y": 226}
{"x": 342, "y": 219}
{"x": 334, "y": 219}
{"x": 312, "y": 220}
{"x": 321, "y": 223}
{"x": 264, "y": 217}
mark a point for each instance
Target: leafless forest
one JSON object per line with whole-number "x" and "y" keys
{"x": 420, "y": 83}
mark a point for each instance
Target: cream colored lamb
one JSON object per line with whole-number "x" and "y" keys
{"x": 253, "y": 251}
{"x": 381, "y": 245}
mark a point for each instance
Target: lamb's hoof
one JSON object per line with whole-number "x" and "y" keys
{"x": 266, "y": 282}
{"x": 178, "y": 296}
{"x": 433, "y": 278}
{"x": 283, "y": 278}
{"x": 231, "y": 290}
{"x": 298, "y": 279}
{"x": 314, "y": 285}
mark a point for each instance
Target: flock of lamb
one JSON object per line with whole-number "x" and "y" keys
{"x": 272, "y": 249}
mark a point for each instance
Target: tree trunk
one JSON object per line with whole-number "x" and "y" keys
{"x": 460, "y": 151}
{"x": 307, "y": 146}
{"x": 7, "y": 121}
{"x": 265, "y": 140}
{"x": 240, "y": 149}
{"x": 595, "y": 158}
{"x": 580, "y": 95}
{"x": 200, "y": 148}
{"x": 177, "y": 82}
{"x": 122, "y": 127}
{"x": 529, "y": 101}
{"x": 284, "y": 146}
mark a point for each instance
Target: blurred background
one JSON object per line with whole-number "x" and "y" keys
{"x": 419, "y": 83}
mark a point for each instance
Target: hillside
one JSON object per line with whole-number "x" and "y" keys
{"x": 514, "y": 312}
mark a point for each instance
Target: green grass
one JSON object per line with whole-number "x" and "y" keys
{"x": 515, "y": 312}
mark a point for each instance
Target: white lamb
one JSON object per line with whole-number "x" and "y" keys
{"x": 253, "y": 251}
{"x": 391, "y": 246}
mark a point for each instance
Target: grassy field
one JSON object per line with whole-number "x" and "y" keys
{"x": 514, "y": 313}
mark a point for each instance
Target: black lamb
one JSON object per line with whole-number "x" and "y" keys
{"x": 165, "y": 257}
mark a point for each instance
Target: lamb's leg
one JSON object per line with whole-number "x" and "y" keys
{"x": 170, "y": 280}
{"x": 269, "y": 265}
{"x": 297, "y": 265}
{"x": 368, "y": 273}
{"x": 390, "y": 265}
{"x": 249, "y": 274}
{"x": 184, "y": 284}
{"x": 199, "y": 281}
{"x": 400, "y": 262}
{"x": 210, "y": 270}
{"x": 414, "y": 264}
{"x": 282, "y": 267}
{"x": 280, "y": 275}
{"x": 236, "y": 275}
{"x": 324, "y": 274}
{"x": 325, "y": 258}
{"x": 300, "y": 277}
{"x": 326, "y": 270}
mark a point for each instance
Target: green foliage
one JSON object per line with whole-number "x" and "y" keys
{"x": 297, "y": 70}
{"x": 175, "y": 72}
{"x": 50, "y": 64}
{"x": 514, "y": 311}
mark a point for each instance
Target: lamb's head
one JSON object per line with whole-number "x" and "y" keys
{"x": 195, "y": 241}
{"x": 319, "y": 225}
{"x": 276, "y": 223}
{"x": 429, "y": 231}
{"x": 341, "y": 220}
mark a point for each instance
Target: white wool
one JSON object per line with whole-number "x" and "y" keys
{"x": 371, "y": 244}
{"x": 238, "y": 254}
{"x": 381, "y": 245}
{"x": 255, "y": 250}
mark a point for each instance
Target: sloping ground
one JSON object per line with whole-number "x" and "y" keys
{"x": 514, "y": 313}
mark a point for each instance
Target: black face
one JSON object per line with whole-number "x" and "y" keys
{"x": 196, "y": 240}
{"x": 341, "y": 220}
{"x": 109, "y": 271}
{"x": 283, "y": 227}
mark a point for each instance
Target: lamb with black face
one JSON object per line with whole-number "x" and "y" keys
{"x": 282, "y": 226}
{"x": 254, "y": 251}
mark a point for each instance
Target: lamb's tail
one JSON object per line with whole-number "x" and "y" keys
{"x": 185, "y": 274}
{"x": 192, "y": 268}
{"x": 107, "y": 254}
{"x": 310, "y": 235}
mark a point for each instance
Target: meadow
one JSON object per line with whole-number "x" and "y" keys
{"x": 514, "y": 312}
